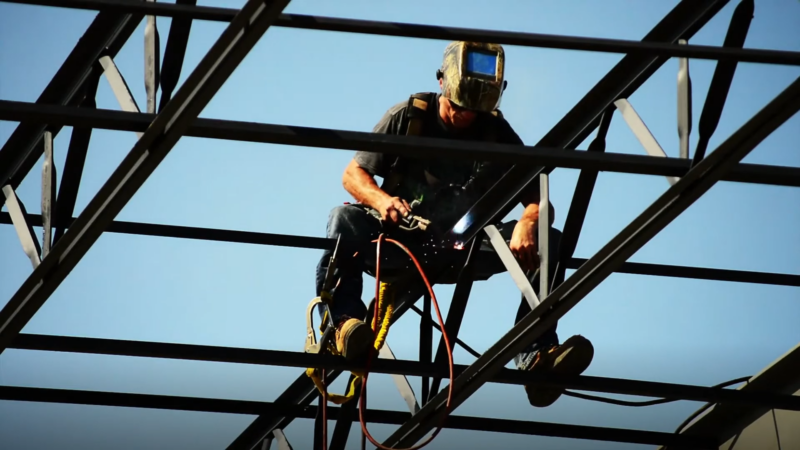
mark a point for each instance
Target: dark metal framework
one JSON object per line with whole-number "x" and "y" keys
{"x": 69, "y": 101}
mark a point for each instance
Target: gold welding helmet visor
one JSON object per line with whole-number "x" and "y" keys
{"x": 472, "y": 75}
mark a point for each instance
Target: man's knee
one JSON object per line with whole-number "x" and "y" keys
{"x": 349, "y": 221}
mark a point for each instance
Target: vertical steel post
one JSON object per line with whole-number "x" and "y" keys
{"x": 544, "y": 235}
{"x": 152, "y": 53}
{"x": 425, "y": 343}
{"x": 684, "y": 104}
{"x": 48, "y": 193}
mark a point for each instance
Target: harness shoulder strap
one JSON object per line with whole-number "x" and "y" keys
{"x": 417, "y": 113}
{"x": 490, "y": 129}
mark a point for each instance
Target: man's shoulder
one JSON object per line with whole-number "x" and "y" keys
{"x": 393, "y": 120}
{"x": 505, "y": 132}
{"x": 400, "y": 108}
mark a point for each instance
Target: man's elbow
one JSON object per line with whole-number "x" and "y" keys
{"x": 351, "y": 175}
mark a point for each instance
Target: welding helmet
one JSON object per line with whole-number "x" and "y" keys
{"x": 472, "y": 75}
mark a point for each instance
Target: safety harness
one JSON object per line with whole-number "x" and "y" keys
{"x": 422, "y": 111}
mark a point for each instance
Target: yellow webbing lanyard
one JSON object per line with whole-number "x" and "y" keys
{"x": 386, "y": 307}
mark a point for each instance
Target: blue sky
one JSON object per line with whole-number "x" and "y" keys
{"x": 159, "y": 289}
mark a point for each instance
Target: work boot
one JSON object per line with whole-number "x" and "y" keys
{"x": 353, "y": 338}
{"x": 570, "y": 358}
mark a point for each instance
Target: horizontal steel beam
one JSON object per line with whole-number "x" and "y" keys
{"x": 396, "y": 367}
{"x": 439, "y": 32}
{"x": 405, "y": 145}
{"x": 46, "y": 395}
{"x": 287, "y": 240}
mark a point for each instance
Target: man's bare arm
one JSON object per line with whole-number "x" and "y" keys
{"x": 523, "y": 240}
{"x": 362, "y": 186}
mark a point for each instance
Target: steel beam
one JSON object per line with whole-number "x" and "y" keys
{"x": 76, "y": 158}
{"x": 49, "y": 179}
{"x": 455, "y": 314}
{"x": 580, "y": 202}
{"x": 283, "y": 443}
{"x": 403, "y": 386}
{"x": 18, "y": 216}
{"x": 723, "y": 77}
{"x": 642, "y": 133}
{"x": 299, "y": 21}
{"x": 348, "y": 414}
{"x": 425, "y": 344}
{"x": 402, "y": 145}
{"x": 232, "y": 355}
{"x": 29, "y": 394}
{"x": 174, "y": 54}
{"x": 437, "y": 327}
{"x": 684, "y": 104}
{"x": 152, "y": 61}
{"x": 285, "y": 240}
{"x": 512, "y": 266}
{"x": 662, "y": 212}
{"x": 107, "y": 33}
{"x": 120, "y": 87}
{"x": 223, "y": 57}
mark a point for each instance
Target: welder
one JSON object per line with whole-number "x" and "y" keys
{"x": 472, "y": 82}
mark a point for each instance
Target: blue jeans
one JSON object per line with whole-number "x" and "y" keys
{"x": 353, "y": 222}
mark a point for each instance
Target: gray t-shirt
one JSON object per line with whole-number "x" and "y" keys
{"x": 419, "y": 173}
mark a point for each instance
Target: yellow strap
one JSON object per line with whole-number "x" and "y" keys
{"x": 336, "y": 399}
{"x": 386, "y": 305}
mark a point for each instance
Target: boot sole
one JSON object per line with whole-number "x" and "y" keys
{"x": 573, "y": 361}
{"x": 357, "y": 341}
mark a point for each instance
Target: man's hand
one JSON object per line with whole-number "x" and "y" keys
{"x": 523, "y": 244}
{"x": 393, "y": 209}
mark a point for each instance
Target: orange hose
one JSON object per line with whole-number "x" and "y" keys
{"x": 362, "y": 402}
{"x": 324, "y": 413}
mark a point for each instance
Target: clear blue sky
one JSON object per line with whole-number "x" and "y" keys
{"x": 158, "y": 289}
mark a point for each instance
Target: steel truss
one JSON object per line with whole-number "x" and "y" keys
{"x": 69, "y": 101}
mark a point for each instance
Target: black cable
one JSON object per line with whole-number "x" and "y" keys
{"x": 658, "y": 401}
{"x": 709, "y": 405}
{"x": 777, "y": 436}
{"x": 612, "y": 401}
